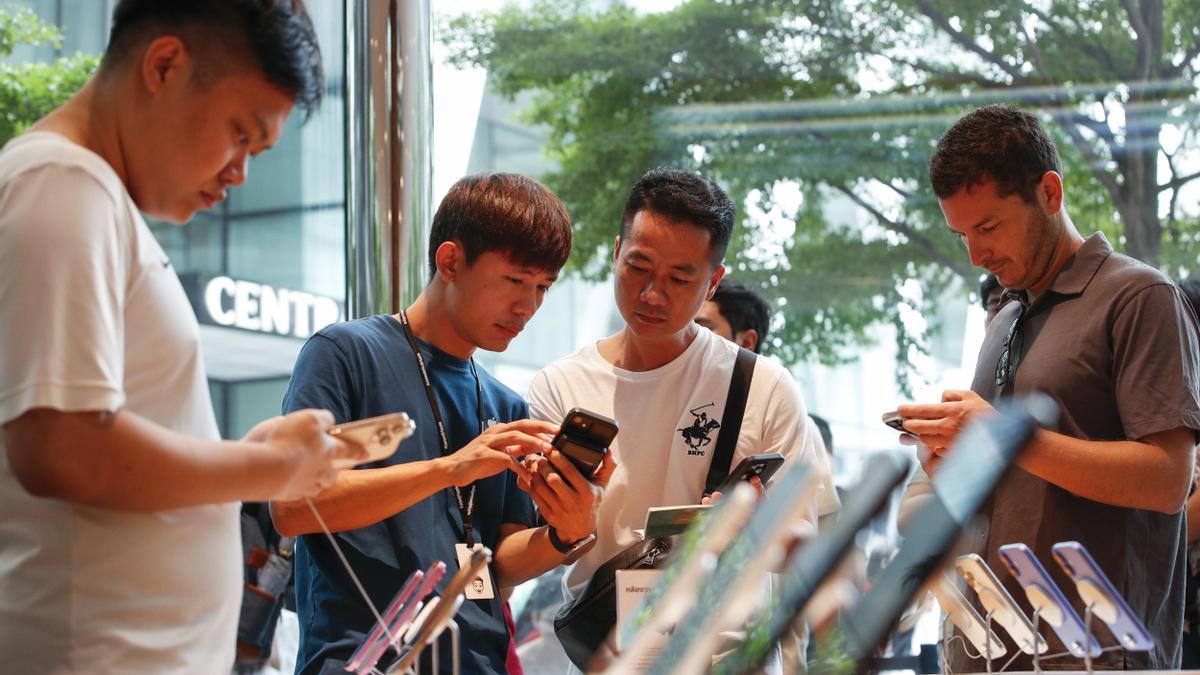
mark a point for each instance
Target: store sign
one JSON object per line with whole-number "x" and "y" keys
{"x": 236, "y": 303}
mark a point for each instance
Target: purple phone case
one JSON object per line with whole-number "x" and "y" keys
{"x": 1029, "y": 572}
{"x": 1079, "y": 565}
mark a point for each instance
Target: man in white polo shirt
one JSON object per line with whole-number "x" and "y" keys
{"x": 663, "y": 377}
{"x": 119, "y": 542}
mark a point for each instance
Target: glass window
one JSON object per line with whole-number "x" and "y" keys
{"x": 819, "y": 118}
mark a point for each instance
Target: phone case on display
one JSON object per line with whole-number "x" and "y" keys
{"x": 399, "y": 621}
{"x": 439, "y": 612}
{"x": 816, "y": 561}
{"x": 964, "y": 616}
{"x": 1044, "y": 596}
{"x": 980, "y": 456}
{"x": 732, "y": 592}
{"x": 670, "y": 600}
{"x": 1095, "y": 589}
{"x": 996, "y": 600}
{"x": 403, "y": 598}
{"x": 379, "y": 435}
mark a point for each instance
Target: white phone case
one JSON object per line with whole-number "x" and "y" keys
{"x": 996, "y": 600}
{"x": 966, "y": 618}
{"x": 379, "y": 435}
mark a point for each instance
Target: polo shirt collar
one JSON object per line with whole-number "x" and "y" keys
{"x": 1081, "y": 267}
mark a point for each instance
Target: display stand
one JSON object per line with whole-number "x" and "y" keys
{"x": 455, "y": 644}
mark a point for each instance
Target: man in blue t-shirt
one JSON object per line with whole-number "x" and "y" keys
{"x": 496, "y": 245}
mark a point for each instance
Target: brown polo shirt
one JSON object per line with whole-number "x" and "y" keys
{"x": 1114, "y": 343}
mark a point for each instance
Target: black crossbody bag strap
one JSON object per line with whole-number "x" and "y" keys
{"x": 731, "y": 419}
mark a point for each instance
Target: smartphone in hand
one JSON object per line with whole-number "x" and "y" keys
{"x": 583, "y": 438}
{"x": 761, "y": 466}
{"x": 379, "y": 435}
{"x": 895, "y": 421}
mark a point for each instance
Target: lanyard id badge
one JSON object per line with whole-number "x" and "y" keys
{"x": 466, "y": 508}
{"x": 481, "y": 587}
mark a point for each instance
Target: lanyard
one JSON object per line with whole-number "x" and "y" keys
{"x": 463, "y": 510}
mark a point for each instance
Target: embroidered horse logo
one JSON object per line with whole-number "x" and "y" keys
{"x": 697, "y": 435}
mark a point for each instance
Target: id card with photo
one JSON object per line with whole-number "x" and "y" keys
{"x": 481, "y": 587}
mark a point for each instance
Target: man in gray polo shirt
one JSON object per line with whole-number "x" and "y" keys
{"x": 1110, "y": 339}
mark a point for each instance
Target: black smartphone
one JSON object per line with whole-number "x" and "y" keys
{"x": 895, "y": 421}
{"x": 763, "y": 466}
{"x": 583, "y": 438}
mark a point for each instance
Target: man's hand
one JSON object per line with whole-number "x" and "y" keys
{"x": 497, "y": 449}
{"x": 312, "y": 451}
{"x": 937, "y": 425}
{"x": 569, "y": 502}
{"x": 755, "y": 481}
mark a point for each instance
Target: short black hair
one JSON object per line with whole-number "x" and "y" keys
{"x": 987, "y": 285}
{"x": 996, "y": 142}
{"x": 684, "y": 196}
{"x": 278, "y": 36}
{"x": 505, "y": 212}
{"x": 744, "y": 308}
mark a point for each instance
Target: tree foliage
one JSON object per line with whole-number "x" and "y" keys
{"x": 28, "y": 91}
{"x": 839, "y": 103}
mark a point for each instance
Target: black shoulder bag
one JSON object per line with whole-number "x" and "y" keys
{"x": 583, "y": 624}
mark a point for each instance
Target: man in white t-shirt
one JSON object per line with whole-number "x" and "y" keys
{"x": 662, "y": 372}
{"x": 119, "y": 539}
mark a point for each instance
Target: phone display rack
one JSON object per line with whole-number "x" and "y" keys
{"x": 1035, "y": 618}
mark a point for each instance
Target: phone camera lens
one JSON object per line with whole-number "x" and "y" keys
{"x": 577, "y": 420}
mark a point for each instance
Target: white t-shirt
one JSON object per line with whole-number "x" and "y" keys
{"x": 93, "y": 318}
{"x": 658, "y": 465}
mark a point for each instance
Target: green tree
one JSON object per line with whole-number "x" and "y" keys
{"x": 28, "y": 91}
{"x": 842, "y": 102}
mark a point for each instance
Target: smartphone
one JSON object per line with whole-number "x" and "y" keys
{"x": 984, "y": 640}
{"x": 379, "y": 435}
{"x": 439, "y": 612}
{"x": 999, "y": 603}
{"x": 1044, "y": 596}
{"x": 895, "y": 421}
{"x": 763, "y": 466}
{"x": 1107, "y": 604}
{"x": 583, "y": 438}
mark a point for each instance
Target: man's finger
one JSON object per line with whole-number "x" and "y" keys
{"x": 567, "y": 470}
{"x": 528, "y": 426}
{"x": 515, "y": 438}
{"x": 607, "y": 467}
{"x": 926, "y": 411}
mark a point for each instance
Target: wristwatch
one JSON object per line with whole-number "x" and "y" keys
{"x": 571, "y": 552}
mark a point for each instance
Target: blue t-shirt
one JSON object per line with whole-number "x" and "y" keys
{"x": 363, "y": 368}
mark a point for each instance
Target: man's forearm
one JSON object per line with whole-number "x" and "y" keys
{"x": 363, "y": 497}
{"x": 126, "y": 462}
{"x": 524, "y": 554}
{"x": 1152, "y": 475}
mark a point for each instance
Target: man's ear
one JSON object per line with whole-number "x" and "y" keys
{"x": 714, "y": 281}
{"x": 1050, "y": 191}
{"x": 616, "y": 248}
{"x": 748, "y": 339}
{"x": 166, "y": 59}
{"x": 448, "y": 258}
